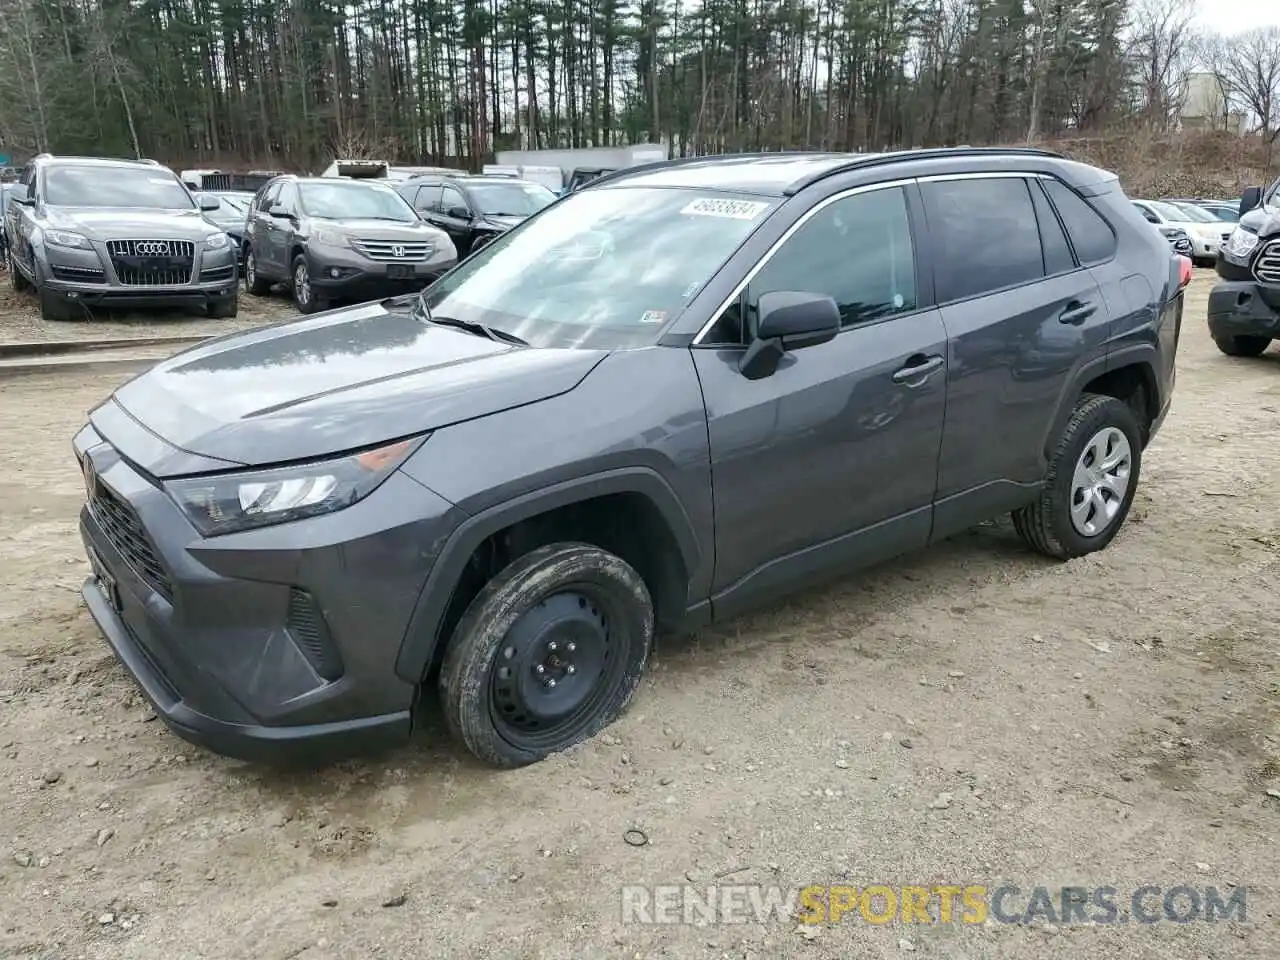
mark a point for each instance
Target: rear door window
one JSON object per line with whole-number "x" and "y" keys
{"x": 1057, "y": 252}
{"x": 1091, "y": 236}
{"x": 985, "y": 235}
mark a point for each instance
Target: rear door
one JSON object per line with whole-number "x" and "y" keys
{"x": 260, "y": 230}
{"x": 1021, "y": 316}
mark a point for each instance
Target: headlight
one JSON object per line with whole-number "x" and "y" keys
{"x": 228, "y": 502}
{"x": 60, "y": 238}
{"x": 216, "y": 241}
{"x": 1241, "y": 244}
{"x": 335, "y": 238}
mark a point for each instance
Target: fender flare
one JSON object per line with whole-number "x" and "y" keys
{"x": 1143, "y": 355}
{"x": 418, "y": 647}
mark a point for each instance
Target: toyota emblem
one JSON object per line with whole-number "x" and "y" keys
{"x": 397, "y": 251}
{"x": 153, "y": 248}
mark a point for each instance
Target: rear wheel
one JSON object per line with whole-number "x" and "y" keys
{"x": 258, "y": 285}
{"x": 1242, "y": 346}
{"x": 1092, "y": 479}
{"x": 305, "y": 297}
{"x": 547, "y": 654}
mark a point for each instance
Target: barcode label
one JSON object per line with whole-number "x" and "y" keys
{"x": 731, "y": 209}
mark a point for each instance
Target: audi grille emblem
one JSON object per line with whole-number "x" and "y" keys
{"x": 153, "y": 248}
{"x": 397, "y": 251}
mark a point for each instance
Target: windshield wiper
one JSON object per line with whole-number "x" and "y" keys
{"x": 423, "y": 311}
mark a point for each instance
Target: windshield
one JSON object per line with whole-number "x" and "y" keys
{"x": 348, "y": 200}
{"x": 513, "y": 199}
{"x": 154, "y": 188}
{"x": 1196, "y": 214}
{"x": 602, "y": 268}
{"x": 1167, "y": 211}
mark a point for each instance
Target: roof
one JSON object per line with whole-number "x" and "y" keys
{"x": 784, "y": 174}
{"x": 48, "y": 159}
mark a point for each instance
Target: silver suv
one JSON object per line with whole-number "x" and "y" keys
{"x": 87, "y": 233}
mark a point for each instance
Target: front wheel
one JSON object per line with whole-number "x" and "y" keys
{"x": 1242, "y": 346}
{"x": 254, "y": 282}
{"x": 1092, "y": 478}
{"x": 548, "y": 654}
{"x": 305, "y": 297}
{"x": 17, "y": 281}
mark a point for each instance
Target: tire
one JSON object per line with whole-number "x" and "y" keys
{"x": 1242, "y": 346}
{"x": 305, "y": 297}
{"x": 17, "y": 281}
{"x": 56, "y": 309}
{"x": 255, "y": 283}
{"x": 223, "y": 309}
{"x": 570, "y": 595}
{"x": 1048, "y": 524}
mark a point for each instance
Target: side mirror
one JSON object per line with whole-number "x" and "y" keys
{"x": 207, "y": 203}
{"x": 460, "y": 213}
{"x": 1251, "y": 199}
{"x": 788, "y": 320}
{"x": 279, "y": 211}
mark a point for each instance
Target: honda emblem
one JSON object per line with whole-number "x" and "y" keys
{"x": 397, "y": 251}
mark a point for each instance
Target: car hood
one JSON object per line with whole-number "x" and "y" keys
{"x": 381, "y": 229}
{"x": 109, "y": 223}
{"x": 1265, "y": 220}
{"x": 337, "y": 381}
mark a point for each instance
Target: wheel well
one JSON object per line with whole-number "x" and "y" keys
{"x": 628, "y": 525}
{"x": 297, "y": 251}
{"x": 1135, "y": 385}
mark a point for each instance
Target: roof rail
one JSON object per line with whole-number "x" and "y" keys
{"x": 857, "y": 162}
{"x": 686, "y": 161}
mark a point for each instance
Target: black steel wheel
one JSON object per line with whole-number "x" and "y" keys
{"x": 548, "y": 654}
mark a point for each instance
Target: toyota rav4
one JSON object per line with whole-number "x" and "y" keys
{"x": 686, "y": 389}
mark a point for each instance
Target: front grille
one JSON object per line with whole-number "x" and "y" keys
{"x": 122, "y": 527}
{"x": 307, "y": 627}
{"x": 79, "y": 274}
{"x": 1267, "y": 266}
{"x": 152, "y": 263}
{"x": 215, "y": 274}
{"x": 396, "y": 251}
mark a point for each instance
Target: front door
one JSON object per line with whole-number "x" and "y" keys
{"x": 831, "y": 462}
{"x": 450, "y": 220}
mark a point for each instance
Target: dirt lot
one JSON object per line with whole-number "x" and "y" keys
{"x": 973, "y": 714}
{"x": 20, "y": 320}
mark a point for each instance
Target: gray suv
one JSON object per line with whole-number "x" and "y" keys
{"x": 85, "y": 232}
{"x": 685, "y": 389}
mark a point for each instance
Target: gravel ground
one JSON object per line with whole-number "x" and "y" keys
{"x": 20, "y": 320}
{"x": 970, "y": 715}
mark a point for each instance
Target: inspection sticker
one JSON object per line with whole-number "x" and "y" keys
{"x": 654, "y": 316}
{"x": 731, "y": 209}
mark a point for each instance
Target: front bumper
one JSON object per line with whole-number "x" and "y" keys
{"x": 1244, "y": 308}
{"x": 338, "y": 272}
{"x": 90, "y": 277}
{"x": 277, "y": 644}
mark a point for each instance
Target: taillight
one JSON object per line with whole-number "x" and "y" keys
{"x": 1184, "y": 271}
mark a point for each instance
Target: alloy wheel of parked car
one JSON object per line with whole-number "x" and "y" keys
{"x": 304, "y": 294}
{"x": 254, "y": 283}
{"x": 1092, "y": 478}
{"x": 548, "y": 654}
{"x": 16, "y": 280}
{"x": 1243, "y": 346}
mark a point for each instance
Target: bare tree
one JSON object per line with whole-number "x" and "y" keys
{"x": 1248, "y": 69}
{"x": 1161, "y": 50}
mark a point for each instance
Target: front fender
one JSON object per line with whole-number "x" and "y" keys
{"x": 419, "y": 645}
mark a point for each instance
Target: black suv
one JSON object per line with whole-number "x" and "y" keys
{"x": 474, "y": 210}
{"x": 1244, "y": 308}
{"x": 683, "y": 390}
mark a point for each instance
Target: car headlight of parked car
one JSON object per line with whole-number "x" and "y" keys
{"x": 334, "y": 238}
{"x": 229, "y": 502}
{"x": 216, "y": 241}
{"x": 1207, "y": 231}
{"x": 1241, "y": 244}
{"x": 61, "y": 238}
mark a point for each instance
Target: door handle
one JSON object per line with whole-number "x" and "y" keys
{"x": 917, "y": 368}
{"x": 1076, "y": 312}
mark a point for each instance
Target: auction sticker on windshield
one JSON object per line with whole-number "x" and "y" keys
{"x": 732, "y": 209}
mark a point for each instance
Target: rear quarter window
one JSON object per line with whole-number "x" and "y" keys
{"x": 1091, "y": 235}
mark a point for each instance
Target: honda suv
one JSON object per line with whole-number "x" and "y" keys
{"x": 88, "y": 233}
{"x": 686, "y": 389}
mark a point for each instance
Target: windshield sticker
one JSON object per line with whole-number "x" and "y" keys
{"x": 654, "y": 316}
{"x": 730, "y": 209}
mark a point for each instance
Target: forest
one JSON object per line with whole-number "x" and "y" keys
{"x": 291, "y": 83}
